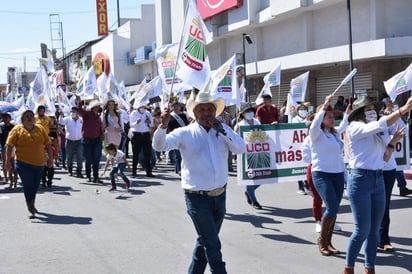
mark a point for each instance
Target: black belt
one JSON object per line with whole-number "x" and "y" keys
{"x": 73, "y": 140}
{"x": 213, "y": 193}
{"x": 140, "y": 133}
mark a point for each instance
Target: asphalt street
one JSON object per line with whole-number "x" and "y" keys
{"x": 84, "y": 228}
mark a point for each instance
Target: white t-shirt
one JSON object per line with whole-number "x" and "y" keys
{"x": 117, "y": 159}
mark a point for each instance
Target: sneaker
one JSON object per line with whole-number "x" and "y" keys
{"x": 318, "y": 226}
{"x": 337, "y": 227}
{"x": 112, "y": 188}
{"x": 301, "y": 192}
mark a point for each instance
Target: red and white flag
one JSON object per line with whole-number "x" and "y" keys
{"x": 193, "y": 62}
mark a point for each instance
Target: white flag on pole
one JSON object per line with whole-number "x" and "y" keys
{"x": 399, "y": 83}
{"x": 87, "y": 85}
{"x": 224, "y": 83}
{"x": 166, "y": 63}
{"x": 298, "y": 87}
{"x": 193, "y": 62}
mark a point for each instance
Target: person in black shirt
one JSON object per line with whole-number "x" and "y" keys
{"x": 5, "y": 129}
{"x": 178, "y": 119}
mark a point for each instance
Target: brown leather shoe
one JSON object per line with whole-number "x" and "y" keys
{"x": 348, "y": 270}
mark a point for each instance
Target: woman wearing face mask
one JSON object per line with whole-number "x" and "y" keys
{"x": 302, "y": 117}
{"x": 369, "y": 149}
{"x": 246, "y": 118}
{"x": 328, "y": 168}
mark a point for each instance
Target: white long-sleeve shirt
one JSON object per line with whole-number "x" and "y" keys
{"x": 73, "y": 127}
{"x": 326, "y": 148}
{"x": 137, "y": 125}
{"x": 204, "y": 154}
{"x": 366, "y": 144}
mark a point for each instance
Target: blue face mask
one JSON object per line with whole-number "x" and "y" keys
{"x": 249, "y": 115}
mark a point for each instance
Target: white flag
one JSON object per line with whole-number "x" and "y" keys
{"x": 399, "y": 83}
{"x": 39, "y": 90}
{"x": 149, "y": 91}
{"x": 298, "y": 87}
{"x": 291, "y": 106}
{"x": 273, "y": 78}
{"x": 166, "y": 57}
{"x": 193, "y": 62}
{"x": 224, "y": 83}
{"x": 264, "y": 91}
{"x": 87, "y": 86}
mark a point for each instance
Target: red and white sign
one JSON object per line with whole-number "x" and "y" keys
{"x": 209, "y": 8}
{"x": 101, "y": 7}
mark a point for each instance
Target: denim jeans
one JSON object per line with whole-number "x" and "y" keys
{"x": 251, "y": 192}
{"x": 74, "y": 147}
{"x": 92, "y": 151}
{"x": 177, "y": 160}
{"x": 207, "y": 214}
{"x": 389, "y": 177}
{"x": 30, "y": 176}
{"x": 366, "y": 192}
{"x": 330, "y": 188}
{"x": 119, "y": 169}
{"x": 400, "y": 177}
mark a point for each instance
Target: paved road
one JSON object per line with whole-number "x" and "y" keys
{"x": 148, "y": 231}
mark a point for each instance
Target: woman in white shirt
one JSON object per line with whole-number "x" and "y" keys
{"x": 368, "y": 153}
{"x": 328, "y": 168}
{"x": 246, "y": 118}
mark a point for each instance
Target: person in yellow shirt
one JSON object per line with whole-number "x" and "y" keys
{"x": 29, "y": 140}
{"x": 42, "y": 119}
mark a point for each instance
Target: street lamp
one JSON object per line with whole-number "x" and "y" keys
{"x": 249, "y": 41}
{"x": 352, "y": 83}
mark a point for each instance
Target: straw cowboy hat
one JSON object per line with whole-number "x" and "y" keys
{"x": 362, "y": 102}
{"x": 205, "y": 98}
{"x": 94, "y": 103}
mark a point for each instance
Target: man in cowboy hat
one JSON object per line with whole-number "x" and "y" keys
{"x": 92, "y": 133}
{"x": 204, "y": 146}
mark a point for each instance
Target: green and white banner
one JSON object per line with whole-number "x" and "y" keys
{"x": 273, "y": 154}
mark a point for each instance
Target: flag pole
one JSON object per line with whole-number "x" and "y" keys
{"x": 345, "y": 80}
{"x": 179, "y": 50}
{"x": 279, "y": 96}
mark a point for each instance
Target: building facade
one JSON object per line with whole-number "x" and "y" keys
{"x": 303, "y": 35}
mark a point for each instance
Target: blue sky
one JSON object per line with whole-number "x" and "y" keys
{"x": 26, "y": 23}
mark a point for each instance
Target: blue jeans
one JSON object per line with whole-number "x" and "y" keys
{"x": 389, "y": 179}
{"x": 207, "y": 214}
{"x": 30, "y": 176}
{"x": 366, "y": 192}
{"x": 330, "y": 188}
{"x": 177, "y": 160}
{"x": 72, "y": 148}
{"x": 400, "y": 177}
{"x": 251, "y": 192}
{"x": 119, "y": 169}
{"x": 92, "y": 151}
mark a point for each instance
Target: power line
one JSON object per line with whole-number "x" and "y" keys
{"x": 61, "y": 12}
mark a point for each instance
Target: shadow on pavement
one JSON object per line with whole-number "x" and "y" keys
{"x": 61, "y": 219}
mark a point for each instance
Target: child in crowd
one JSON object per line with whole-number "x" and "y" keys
{"x": 48, "y": 172}
{"x": 117, "y": 159}
{"x": 12, "y": 174}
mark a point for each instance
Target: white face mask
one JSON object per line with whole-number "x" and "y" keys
{"x": 303, "y": 112}
{"x": 371, "y": 116}
{"x": 249, "y": 116}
